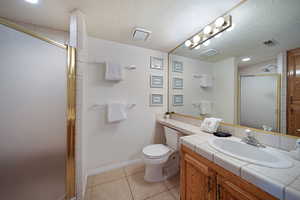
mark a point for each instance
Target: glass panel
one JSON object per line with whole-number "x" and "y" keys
{"x": 32, "y": 118}
{"x": 258, "y": 95}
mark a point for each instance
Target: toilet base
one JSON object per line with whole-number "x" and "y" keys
{"x": 154, "y": 173}
{"x": 159, "y": 171}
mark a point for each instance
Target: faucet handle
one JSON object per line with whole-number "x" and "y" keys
{"x": 249, "y": 133}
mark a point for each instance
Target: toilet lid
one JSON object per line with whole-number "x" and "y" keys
{"x": 156, "y": 150}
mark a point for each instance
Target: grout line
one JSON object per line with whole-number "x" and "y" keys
{"x": 131, "y": 192}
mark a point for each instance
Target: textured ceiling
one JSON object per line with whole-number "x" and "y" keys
{"x": 256, "y": 21}
{"x": 171, "y": 21}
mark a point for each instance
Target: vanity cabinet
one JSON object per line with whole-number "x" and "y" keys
{"x": 230, "y": 191}
{"x": 201, "y": 179}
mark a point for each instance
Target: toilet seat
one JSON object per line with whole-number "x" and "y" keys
{"x": 156, "y": 151}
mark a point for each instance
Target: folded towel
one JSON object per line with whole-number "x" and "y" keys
{"x": 206, "y": 80}
{"x": 116, "y": 112}
{"x": 113, "y": 72}
{"x": 205, "y": 107}
{"x": 210, "y": 124}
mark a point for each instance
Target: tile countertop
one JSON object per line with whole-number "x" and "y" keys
{"x": 281, "y": 183}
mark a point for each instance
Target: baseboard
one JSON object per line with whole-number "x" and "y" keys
{"x": 113, "y": 166}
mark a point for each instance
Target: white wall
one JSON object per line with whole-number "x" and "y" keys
{"x": 192, "y": 91}
{"x": 110, "y": 144}
{"x": 225, "y": 90}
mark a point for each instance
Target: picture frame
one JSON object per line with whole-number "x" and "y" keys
{"x": 156, "y": 99}
{"x": 156, "y": 81}
{"x": 177, "y": 83}
{"x": 156, "y": 63}
{"x": 178, "y": 100}
{"x": 177, "y": 66}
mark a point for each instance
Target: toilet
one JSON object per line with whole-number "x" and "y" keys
{"x": 162, "y": 161}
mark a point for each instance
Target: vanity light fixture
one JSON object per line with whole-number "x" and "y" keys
{"x": 231, "y": 28}
{"x": 220, "y": 22}
{"x": 207, "y": 30}
{"x": 196, "y": 39}
{"x": 246, "y": 59}
{"x": 210, "y": 31}
{"x": 32, "y": 1}
{"x": 188, "y": 43}
{"x": 218, "y": 35}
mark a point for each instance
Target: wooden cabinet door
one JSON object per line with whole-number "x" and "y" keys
{"x": 199, "y": 182}
{"x": 229, "y": 191}
{"x": 293, "y": 92}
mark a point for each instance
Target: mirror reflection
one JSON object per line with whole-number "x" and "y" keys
{"x": 244, "y": 71}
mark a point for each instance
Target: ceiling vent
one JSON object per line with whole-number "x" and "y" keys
{"x": 140, "y": 34}
{"x": 209, "y": 52}
{"x": 270, "y": 43}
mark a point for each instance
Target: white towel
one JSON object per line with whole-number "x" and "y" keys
{"x": 210, "y": 124}
{"x": 113, "y": 72}
{"x": 205, "y": 107}
{"x": 116, "y": 112}
{"x": 206, "y": 81}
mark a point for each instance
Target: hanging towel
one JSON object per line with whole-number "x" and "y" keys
{"x": 210, "y": 124}
{"x": 205, "y": 107}
{"x": 113, "y": 71}
{"x": 116, "y": 112}
{"x": 206, "y": 81}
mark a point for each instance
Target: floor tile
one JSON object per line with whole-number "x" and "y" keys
{"x": 173, "y": 181}
{"x": 88, "y": 194}
{"x": 134, "y": 168}
{"x": 89, "y": 181}
{"x": 105, "y": 177}
{"x": 176, "y": 192}
{"x": 162, "y": 196}
{"x": 142, "y": 189}
{"x": 115, "y": 190}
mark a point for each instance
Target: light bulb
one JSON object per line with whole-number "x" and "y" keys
{"x": 32, "y": 1}
{"x": 197, "y": 47}
{"x": 188, "y": 43}
{"x": 196, "y": 38}
{"x": 206, "y": 43}
{"x": 207, "y": 30}
{"x": 246, "y": 59}
{"x": 231, "y": 28}
{"x": 220, "y": 22}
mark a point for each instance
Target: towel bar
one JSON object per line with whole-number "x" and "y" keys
{"x": 103, "y": 106}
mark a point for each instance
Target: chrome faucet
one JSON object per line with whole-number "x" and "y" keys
{"x": 251, "y": 139}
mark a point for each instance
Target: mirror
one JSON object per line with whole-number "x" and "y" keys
{"x": 245, "y": 71}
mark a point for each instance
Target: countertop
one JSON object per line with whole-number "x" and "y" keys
{"x": 281, "y": 183}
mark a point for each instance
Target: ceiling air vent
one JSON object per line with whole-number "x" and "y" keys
{"x": 140, "y": 34}
{"x": 270, "y": 43}
{"x": 209, "y": 52}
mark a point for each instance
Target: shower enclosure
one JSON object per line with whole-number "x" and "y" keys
{"x": 37, "y": 115}
{"x": 260, "y": 94}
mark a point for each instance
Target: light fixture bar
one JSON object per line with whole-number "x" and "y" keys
{"x": 210, "y": 31}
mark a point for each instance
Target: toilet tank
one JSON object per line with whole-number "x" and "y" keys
{"x": 172, "y": 137}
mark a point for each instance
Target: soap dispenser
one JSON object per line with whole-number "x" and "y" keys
{"x": 296, "y": 153}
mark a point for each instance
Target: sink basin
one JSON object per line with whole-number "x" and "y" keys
{"x": 267, "y": 157}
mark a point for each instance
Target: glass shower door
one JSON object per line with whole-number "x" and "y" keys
{"x": 259, "y": 101}
{"x": 33, "y": 85}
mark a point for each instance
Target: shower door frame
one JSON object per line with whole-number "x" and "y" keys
{"x": 71, "y": 104}
{"x": 278, "y": 95}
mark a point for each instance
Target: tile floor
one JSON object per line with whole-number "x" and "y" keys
{"x": 128, "y": 184}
